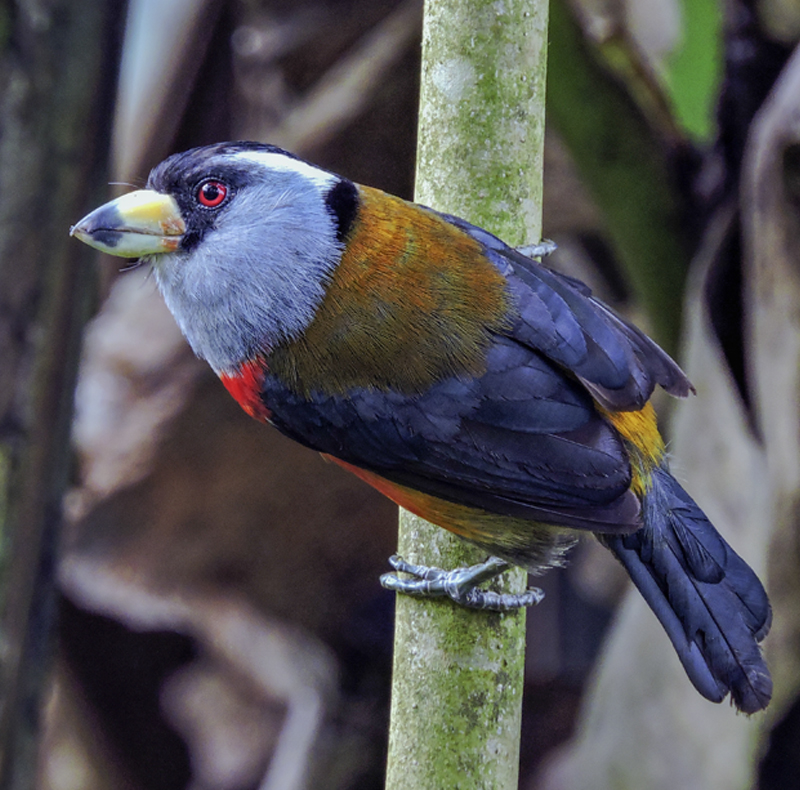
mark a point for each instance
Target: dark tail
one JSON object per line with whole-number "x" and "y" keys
{"x": 711, "y": 604}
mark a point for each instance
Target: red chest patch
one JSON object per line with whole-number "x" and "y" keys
{"x": 245, "y": 386}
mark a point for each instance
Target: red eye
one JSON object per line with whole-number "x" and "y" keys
{"x": 211, "y": 193}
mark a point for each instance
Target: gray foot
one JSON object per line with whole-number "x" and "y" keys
{"x": 544, "y": 248}
{"x": 460, "y": 585}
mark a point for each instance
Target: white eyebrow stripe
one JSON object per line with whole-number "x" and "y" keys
{"x": 277, "y": 161}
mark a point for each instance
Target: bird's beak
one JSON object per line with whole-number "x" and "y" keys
{"x": 134, "y": 225}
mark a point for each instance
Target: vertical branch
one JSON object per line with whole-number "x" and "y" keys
{"x": 52, "y": 69}
{"x": 628, "y": 170}
{"x": 458, "y": 674}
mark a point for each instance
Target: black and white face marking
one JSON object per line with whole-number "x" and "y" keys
{"x": 191, "y": 177}
{"x": 342, "y": 202}
{"x": 263, "y": 236}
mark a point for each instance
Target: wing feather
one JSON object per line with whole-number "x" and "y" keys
{"x": 522, "y": 440}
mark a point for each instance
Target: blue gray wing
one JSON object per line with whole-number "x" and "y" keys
{"x": 558, "y": 316}
{"x": 522, "y": 440}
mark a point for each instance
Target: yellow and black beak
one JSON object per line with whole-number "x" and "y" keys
{"x": 134, "y": 225}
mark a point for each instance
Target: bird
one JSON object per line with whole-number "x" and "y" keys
{"x": 462, "y": 378}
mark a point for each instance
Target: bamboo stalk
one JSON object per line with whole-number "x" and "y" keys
{"x": 458, "y": 674}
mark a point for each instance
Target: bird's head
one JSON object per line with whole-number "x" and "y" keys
{"x": 242, "y": 238}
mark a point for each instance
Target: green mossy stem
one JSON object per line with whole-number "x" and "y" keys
{"x": 458, "y": 674}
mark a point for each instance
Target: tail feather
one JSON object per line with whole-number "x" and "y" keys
{"x": 711, "y": 604}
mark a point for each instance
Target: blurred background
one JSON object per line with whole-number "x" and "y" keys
{"x": 214, "y": 587}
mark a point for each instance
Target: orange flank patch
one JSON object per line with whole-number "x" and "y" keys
{"x": 639, "y": 429}
{"x": 468, "y": 522}
{"x": 245, "y": 387}
{"x": 413, "y": 300}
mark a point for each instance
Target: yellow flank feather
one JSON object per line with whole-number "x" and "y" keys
{"x": 530, "y": 544}
{"x": 639, "y": 429}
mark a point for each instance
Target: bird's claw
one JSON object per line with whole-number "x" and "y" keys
{"x": 459, "y": 585}
{"x": 541, "y": 250}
